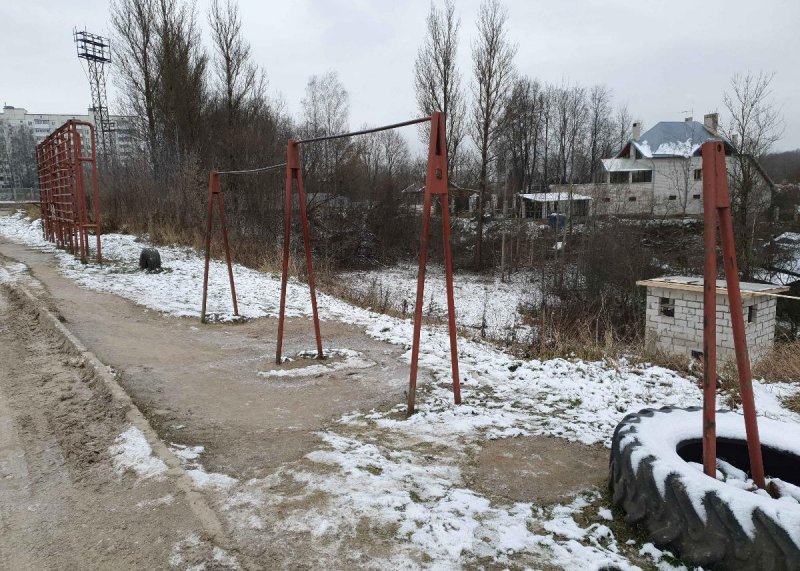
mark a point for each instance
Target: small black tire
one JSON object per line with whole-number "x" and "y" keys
{"x": 672, "y": 521}
{"x": 150, "y": 260}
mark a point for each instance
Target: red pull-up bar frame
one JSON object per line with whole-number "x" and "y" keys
{"x": 215, "y": 191}
{"x": 717, "y": 210}
{"x": 436, "y": 183}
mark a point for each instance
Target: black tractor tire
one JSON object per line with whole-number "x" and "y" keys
{"x": 672, "y": 522}
{"x": 150, "y": 260}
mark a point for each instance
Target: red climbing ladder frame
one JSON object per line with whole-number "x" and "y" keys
{"x": 436, "y": 183}
{"x": 717, "y": 210}
{"x": 62, "y": 188}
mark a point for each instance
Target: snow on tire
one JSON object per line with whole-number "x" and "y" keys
{"x": 708, "y": 521}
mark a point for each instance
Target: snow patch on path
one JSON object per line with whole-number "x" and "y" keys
{"x": 131, "y": 451}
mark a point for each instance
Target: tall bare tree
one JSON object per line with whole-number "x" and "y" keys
{"x": 240, "y": 85}
{"x": 437, "y": 79}
{"x": 182, "y": 66}
{"x": 493, "y": 68}
{"x": 755, "y": 125}
{"x": 238, "y": 78}
{"x": 134, "y": 25}
{"x": 326, "y": 111}
{"x": 522, "y": 127}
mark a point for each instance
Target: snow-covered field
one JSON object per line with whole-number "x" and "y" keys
{"x": 371, "y": 467}
{"x": 485, "y": 305}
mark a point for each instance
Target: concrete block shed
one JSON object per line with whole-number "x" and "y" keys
{"x": 674, "y": 316}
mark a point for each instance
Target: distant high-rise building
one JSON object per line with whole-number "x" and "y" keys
{"x": 41, "y": 125}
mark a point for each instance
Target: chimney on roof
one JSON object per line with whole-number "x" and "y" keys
{"x": 636, "y": 131}
{"x": 711, "y": 122}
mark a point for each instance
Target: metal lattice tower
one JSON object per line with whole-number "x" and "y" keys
{"x": 96, "y": 50}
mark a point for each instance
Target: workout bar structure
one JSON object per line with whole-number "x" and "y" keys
{"x": 436, "y": 183}
{"x": 215, "y": 192}
{"x": 62, "y": 188}
{"x": 717, "y": 210}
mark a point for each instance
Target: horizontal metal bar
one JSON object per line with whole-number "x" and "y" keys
{"x": 365, "y": 131}
{"x": 251, "y": 171}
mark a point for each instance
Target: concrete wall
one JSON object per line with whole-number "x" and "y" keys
{"x": 683, "y": 332}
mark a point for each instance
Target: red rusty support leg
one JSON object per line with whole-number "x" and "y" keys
{"x": 737, "y": 317}
{"x": 423, "y": 255}
{"x": 435, "y": 183}
{"x": 709, "y": 317}
{"x": 451, "y": 304}
{"x": 292, "y": 165}
{"x": 213, "y": 180}
{"x": 227, "y": 248}
{"x": 301, "y": 199}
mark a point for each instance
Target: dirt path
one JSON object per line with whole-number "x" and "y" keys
{"x": 63, "y": 506}
{"x": 274, "y": 480}
{"x": 199, "y": 385}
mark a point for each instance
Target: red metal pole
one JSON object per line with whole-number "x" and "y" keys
{"x": 423, "y": 255}
{"x": 737, "y": 317}
{"x": 301, "y": 198}
{"x": 709, "y": 316}
{"x": 441, "y": 176}
{"x": 227, "y": 248}
{"x": 213, "y": 180}
{"x": 292, "y": 166}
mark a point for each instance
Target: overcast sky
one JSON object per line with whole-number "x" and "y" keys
{"x": 665, "y": 59}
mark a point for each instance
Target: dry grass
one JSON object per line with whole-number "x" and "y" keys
{"x": 782, "y": 363}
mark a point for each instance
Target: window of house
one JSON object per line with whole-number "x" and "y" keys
{"x": 673, "y": 197}
{"x": 698, "y": 174}
{"x": 752, "y": 314}
{"x": 631, "y": 199}
{"x": 619, "y": 177}
{"x": 696, "y": 196}
{"x": 642, "y": 176}
{"x": 666, "y": 307}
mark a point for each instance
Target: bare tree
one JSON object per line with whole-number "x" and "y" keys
{"x": 240, "y": 84}
{"x": 623, "y": 121}
{"x": 600, "y": 129}
{"x": 493, "y": 68}
{"x": 239, "y": 80}
{"x": 522, "y": 130}
{"x": 134, "y": 39}
{"x": 755, "y": 125}
{"x": 437, "y": 79}
{"x": 326, "y": 111}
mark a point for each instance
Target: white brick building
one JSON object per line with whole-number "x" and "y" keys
{"x": 660, "y": 172}
{"x": 40, "y": 125}
{"x": 674, "y": 316}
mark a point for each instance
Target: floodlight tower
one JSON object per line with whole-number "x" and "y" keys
{"x": 96, "y": 50}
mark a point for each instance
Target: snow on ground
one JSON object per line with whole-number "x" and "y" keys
{"x": 484, "y": 304}
{"x": 131, "y": 451}
{"x": 371, "y": 468}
